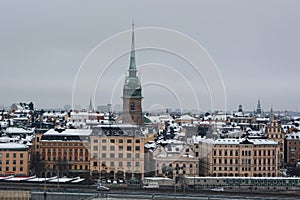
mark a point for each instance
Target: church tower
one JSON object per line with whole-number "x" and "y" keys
{"x": 132, "y": 92}
{"x": 258, "y": 108}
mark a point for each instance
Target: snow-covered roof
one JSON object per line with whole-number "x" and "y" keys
{"x": 41, "y": 179}
{"x": 160, "y": 118}
{"x": 12, "y": 146}
{"x": 16, "y": 130}
{"x": 61, "y": 180}
{"x": 86, "y": 114}
{"x": 231, "y": 141}
{"x": 293, "y": 136}
{"x": 69, "y": 132}
{"x": 241, "y": 140}
{"x": 118, "y": 126}
{"x": 186, "y": 117}
{"x": 5, "y": 139}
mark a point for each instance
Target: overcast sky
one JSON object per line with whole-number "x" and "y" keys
{"x": 255, "y": 45}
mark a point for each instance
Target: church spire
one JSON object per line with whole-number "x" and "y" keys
{"x": 91, "y": 105}
{"x": 132, "y": 65}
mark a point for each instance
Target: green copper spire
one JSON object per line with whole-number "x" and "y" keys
{"x": 132, "y": 65}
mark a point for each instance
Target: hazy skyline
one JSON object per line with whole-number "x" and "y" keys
{"x": 253, "y": 43}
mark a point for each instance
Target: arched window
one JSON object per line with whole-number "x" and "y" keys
{"x": 132, "y": 106}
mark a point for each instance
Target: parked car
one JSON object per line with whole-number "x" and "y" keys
{"x": 217, "y": 189}
{"x": 151, "y": 185}
{"x": 102, "y": 188}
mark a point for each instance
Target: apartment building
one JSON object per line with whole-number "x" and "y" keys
{"x": 65, "y": 152}
{"x": 293, "y": 148}
{"x": 274, "y": 131}
{"x": 117, "y": 152}
{"x": 175, "y": 159}
{"x": 14, "y": 159}
{"x": 238, "y": 157}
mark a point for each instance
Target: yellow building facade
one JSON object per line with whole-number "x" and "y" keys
{"x": 117, "y": 152}
{"x": 14, "y": 159}
{"x": 65, "y": 153}
{"x": 238, "y": 157}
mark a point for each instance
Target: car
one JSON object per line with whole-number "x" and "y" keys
{"x": 114, "y": 182}
{"x": 109, "y": 181}
{"x": 217, "y": 189}
{"x": 121, "y": 181}
{"x": 151, "y": 185}
{"x": 102, "y": 188}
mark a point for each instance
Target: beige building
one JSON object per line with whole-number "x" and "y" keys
{"x": 117, "y": 152}
{"x": 274, "y": 131}
{"x": 238, "y": 157}
{"x": 174, "y": 160}
{"x": 65, "y": 153}
{"x": 14, "y": 159}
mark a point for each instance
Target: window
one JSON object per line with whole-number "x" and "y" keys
{"x": 112, "y": 164}
{"x": 137, "y": 148}
{"x": 7, "y": 155}
{"x": 128, "y": 164}
{"x": 103, "y": 155}
{"x": 112, "y": 155}
{"x": 128, "y": 148}
{"x": 120, "y": 155}
{"x": 95, "y": 148}
{"x": 112, "y": 148}
{"x": 103, "y": 140}
{"x": 21, "y": 155}
{"x": 95, "y": 155}
{"x": 103, "y": 148}
{"x": 120, "y": 148}
{"x": 137, "y": 155}
{"x": 120, "y": 140}
{"x": 137, "y": 164}
{"x": 14, "y": 168}
{"x": 0, "y": 155}
{"x": 128, "y": 141}
{"x": 120, "y": 164}
{"x": 128, "y": 155}
{"x": 137, "y": 141}
{"x": 95, "y": 140}
{"x": 7, "y": 162}
{"x": 132, "y": 106}
{"x": 112, "y": 140}
{"x": 7, "y": 168}
{"x": 14, "y": 162}
{"x": 14, "y": 155}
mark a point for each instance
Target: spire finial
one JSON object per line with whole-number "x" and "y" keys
{"x": 132, "y": 65}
